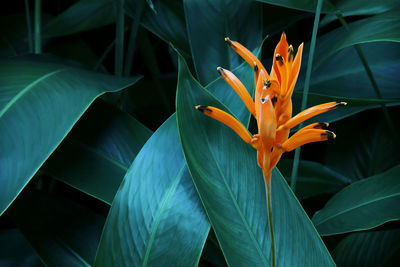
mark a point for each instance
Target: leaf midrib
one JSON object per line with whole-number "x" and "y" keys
{"x": 358, "y": 206}
{"x": 159, "y": 213}
{"x": 246, "y": 225}
{"x": 21, "y": 93}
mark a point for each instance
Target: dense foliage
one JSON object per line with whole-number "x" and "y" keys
{"x": 105, "y": 161}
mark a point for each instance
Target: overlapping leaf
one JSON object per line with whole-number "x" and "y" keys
{"x": 39, "y": 103}
{"x": 156, "y": 218}
{"x": 62, "y": 232}
{"x": 209, "y": 22}
{"x": 96, "y": 154}
{"x": 362, "y": 205}
{"x": 231, "y": 187}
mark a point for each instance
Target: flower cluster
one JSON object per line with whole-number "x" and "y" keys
{"x": 272, "y": 106}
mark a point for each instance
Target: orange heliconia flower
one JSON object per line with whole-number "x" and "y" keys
{"x": 272, "y": 106}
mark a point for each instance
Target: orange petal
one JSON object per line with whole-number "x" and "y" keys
{"x": 259, "y": 87}
{"x": 294, "y": 73}
{"x": 281, "y": 49}
{"x": 226, "y": 119}
{"x": 307, "y": 136}
{"x": 267, "y": 124}
{"x": 310, "y": 112}
{"x": 239, "y": 88}
{"x": 248, "y": 56}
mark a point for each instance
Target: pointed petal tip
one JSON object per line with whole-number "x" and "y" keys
{"x": 330, "y": 135}
{"x": 203, "y": 109}
{"x": 228, "y": 40}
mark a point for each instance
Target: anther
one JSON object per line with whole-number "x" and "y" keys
{"x": 273, "y": 100}
{"x": 279, "y": 58}
{"x": 228, "y": 40}
{"x": 329, "y": 135}
{"x": 291, "y": 53}
{"x": 203, "y": 109}
{"x": 267, "y": 83}
{"x": 321, "y": 125}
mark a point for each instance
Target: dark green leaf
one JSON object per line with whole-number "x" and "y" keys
{"x": 209, "y": 22}
{"x": 231, "y": 187}
{"x": 96, "y": 154}
{"x": 168, "y": 22}
{"x": 313, "y": 178}
{"x": 62, "y": 232}
{"x": 16, "y": 251}
{"x": 82, "y": 16}
{"x": 362, "y": 205}
{"x": 39, "y": 103}
{"x": 374, "y": 249}
{"x": 349, "y": 7}
{"x": 156, "y": 218}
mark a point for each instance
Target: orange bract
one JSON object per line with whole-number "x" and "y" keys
{"x": 272, "y": 106}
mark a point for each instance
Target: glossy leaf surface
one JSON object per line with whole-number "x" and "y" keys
{"x": 96, "y": 154}
{"x": 44, "y": 99}
{"x": 209, "y": 22}
{"x": 156, "y": 218}
{"x": 362, "y": 205}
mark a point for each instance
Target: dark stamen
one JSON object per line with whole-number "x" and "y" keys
{"x": 203, "y": 109}
{"x": 274, "y": 100}
{"x": 267, "y": 83}
{"x": 291, "y": 53}
{"x": 279, "y": 58}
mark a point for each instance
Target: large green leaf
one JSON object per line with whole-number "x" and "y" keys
{"x": 362, "y": 205}
{"x": 209, "y": 22}
{"x": 156, "y": 218}
{"x": 344, "y": 75}
{"x": 82, "y": 16}
{"x": 379, "y": 28}
{"x": 62, "y": 232}
{"x": 39, "y": 103}
{"x": 231, "y": 187}
{"x": 363, "y": 147}
{"x": 313, "y": 178}
{"x": 168, "y": 22}
{"x": 375, "y": 249}
{"x": 349, "y": 7}
{"x": 16, "y": 251}
{"x": 96, "y": 154}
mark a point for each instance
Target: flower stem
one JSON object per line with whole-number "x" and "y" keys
{"x": 267, "y": 181}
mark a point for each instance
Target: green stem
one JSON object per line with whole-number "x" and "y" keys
{"x": 29, "y": 26}
{"x": 306, "y": 87}
{"x": 371, "y": 77}
{"x": 270, "y": 219}
{"x": 38, "y": 40}
{"x": 119, "y": 38}
{"x": 104, "y": 55}
{"x": 132, "y": 39}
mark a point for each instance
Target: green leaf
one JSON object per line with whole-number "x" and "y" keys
{"x": 384, "y": 27}
{"x": 82, "y": 16}
{"x": 96, "y": 154}
{"x": 209, "y": 22}
{"x": 363, "y": 146}
{"x": 313, "y": 178}
{"x": 40, "y": 101}
{"x": 344, "y": 75}
{"x": 62, "y": 232}
{"x": 16, "y": 251}
{"x": 362, "y": 205}
{"x": 168, "y": 22}
{"x": 156, "y": 218}
{"x": 349, "y": 7}
{"x": 355, "y": 249}
{"x": 231, "y": 187}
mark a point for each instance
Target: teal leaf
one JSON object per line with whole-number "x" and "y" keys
{"x": 82, "y": 16}
{"x": 355, "y": 249}
{"x": 156, "y": 218}
{"x": 313, "y": 178}
{"x": 62, "y": 232}
{"x": 209, "y": 22}
{"x": 362, "y": 205}
{"x": 231, "y": 188}
{"x": 96, "y": 154}
{"x": 40, "y": 101}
